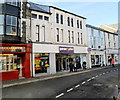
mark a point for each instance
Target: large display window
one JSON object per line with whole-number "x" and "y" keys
{"x": 41, "y": 62}
{"x": 9, "y": 62}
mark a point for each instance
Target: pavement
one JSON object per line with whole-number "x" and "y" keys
{"x": 10, "y": 83}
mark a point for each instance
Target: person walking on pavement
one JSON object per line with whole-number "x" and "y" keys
{"x": 112, "y": 62}
{"x": 84, "y": 64}
{"x": 71, "y": 66}
{"x": 75, "y": 67}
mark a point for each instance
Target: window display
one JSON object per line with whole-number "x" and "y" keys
{"x": 41, "y": 62}
{"x": 8, "y": 62}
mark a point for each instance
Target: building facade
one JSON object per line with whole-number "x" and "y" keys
{"x": 103, "y": 46}
{"x": 57, "y": 38}
{"x": 111, "y": 42}
{"x": 15, "y": 52}
{"x": 96, "y": 41}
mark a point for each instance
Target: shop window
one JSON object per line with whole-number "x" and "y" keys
{"x": 41, "y": 62}
{"x": 11, "y": 25}
{"x": 9, "y": 62}
{"x": 92, "y": 60}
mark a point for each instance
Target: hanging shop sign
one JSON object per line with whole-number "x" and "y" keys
{"x": 89, "y": 49}
{"x": 12, "y": 49}
{"x": 66, "y": 49}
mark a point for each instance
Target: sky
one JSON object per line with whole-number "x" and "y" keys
{"x": 97, "y": 13}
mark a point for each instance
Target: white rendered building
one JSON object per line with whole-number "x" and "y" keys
{"x": 57, "y": 37}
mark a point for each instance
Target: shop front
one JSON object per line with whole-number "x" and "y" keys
{"x": 112, "y": 54}
{"x": 52, "y": 58}
{"x": 97, "y": 58}
{"x": 65, "y": 56}
{"x": 14, "y": 61}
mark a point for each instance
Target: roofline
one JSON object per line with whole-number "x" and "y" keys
{"x": 109, "y": 27}
{"x": 67, "y": 12}
{"x": 87, "y": 25}
{"x": 40, "y": 11}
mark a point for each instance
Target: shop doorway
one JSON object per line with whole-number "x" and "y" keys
{"x": 62, "y": 62}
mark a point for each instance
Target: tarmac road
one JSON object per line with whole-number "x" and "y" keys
{"x": 102, "y": 83}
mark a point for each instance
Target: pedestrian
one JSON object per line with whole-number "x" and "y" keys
{"x": 112, "y": 63}
{"x": 75, "y": 67}
{"x": 71, "y": 66}
{"x": 84, "y": 64}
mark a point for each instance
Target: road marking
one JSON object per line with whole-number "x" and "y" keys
{"x": 77, "y": 86}
{"x": 100, "y": 74}
{"x": 96, "y": 76}
{"x": 107, "y": 72}
{"x": 83, "y": 82}
{"x": 59, "y": 95}
{"x": 103, "y": 73}
{"x": 89, "y": 80}
{"x": 92, "y": 77}
{"x": 70, "y": 90}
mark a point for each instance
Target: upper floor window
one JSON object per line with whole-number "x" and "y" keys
{"x": 108, "y": 35}
{"x": 78, "y": 38}
{"x": 68, "y": 20}
{"x": 62, "y": 35}
{"x": 61, "y": 19}
{"x": 1, "y": 24}
{"x": 34, "y": 16}
{"x": 57, "y": 34}
{"x": 77, "y": 23}
{"x": 46, "y": 18}
{"x": 11, "y": 25}
{"x": 57, "y": 18}
{"x": 40, "y": 17}
{"x": 13, "y": 2}
{"x": 80, "y": 24}
{"x": 72, "y": 22}
{"x": 68, "y": 36}
{"x": 2, "y": 1}
{"x": 72, "y": 37}
{"x": 81, "y": 38}
{"x": 37, "y": 32}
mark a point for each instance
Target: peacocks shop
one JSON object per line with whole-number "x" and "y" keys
{"x": 15, "y": 61}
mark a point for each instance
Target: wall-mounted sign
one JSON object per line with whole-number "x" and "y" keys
{"x": 89, "y": 49}
{"x": 66, "y": 49}
{"x": 12, "y": 49}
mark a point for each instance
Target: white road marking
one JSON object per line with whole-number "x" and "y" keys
{"x": 96, "y": 76}
{"x": 83, "y": 82}
{"x": 103, "y": 73}
{"x": 92, "y": 77}
{"x": 59, "y": 95}
{"x": 100, "y": 74}
{"x": 77, "y": 86}
{"x": 70, "y": 90}
{"x": 89, "y": 80}
{"x": 107, "y": 72}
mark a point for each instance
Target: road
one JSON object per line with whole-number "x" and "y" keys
{"x": 102, "y": 83}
